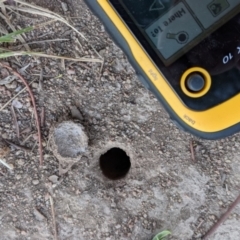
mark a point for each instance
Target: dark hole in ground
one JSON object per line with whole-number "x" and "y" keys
{"x": 115, "y": 163}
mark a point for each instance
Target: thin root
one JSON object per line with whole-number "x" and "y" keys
{"x": 35, "y": 111}
{"x": 222, "y": 218}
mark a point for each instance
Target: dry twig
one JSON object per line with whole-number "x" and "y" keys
{"x": 222, "y": 218}
{"x": 39, "y": 54}
{"x": 53, "y": 218}
{"x": 35, "y": 111}
{"x": 41, "y": 80}
{"x": 63, "y": 64}
{"x": 15, "y": 122}
{"x": 192, "y": 151}
{"x": 42, "y": 116}
{"x": 18, "y": 146}
{"x": 200, "y": 224}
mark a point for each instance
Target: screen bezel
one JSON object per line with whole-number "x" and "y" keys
{"x": 209, "y": 124}
{"x": 172, "y": 74}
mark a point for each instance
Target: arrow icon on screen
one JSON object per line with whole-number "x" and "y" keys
{"x": 156, "y": 5}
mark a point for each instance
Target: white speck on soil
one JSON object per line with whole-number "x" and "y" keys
{"x": 35, "y": 182}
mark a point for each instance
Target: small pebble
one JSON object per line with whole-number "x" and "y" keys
{"x": 76, "y": 113}
{"x": 220, "y": 203}
{"x": 64, "y": 6}
{"x": 17, "y": 104}
{"x": 18, "y": 177}
{"x": 102, "y": 52}
{"x": 20, "y": 162}
{"x": 35, "y": 182}
{"x": 12, "y": 85}
{"x": 53, "y": 179}
{"x": 35, "y": 85}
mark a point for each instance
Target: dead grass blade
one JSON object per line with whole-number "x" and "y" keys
{"x": 36, "y": 10}
{"x": 6, "y": 164}
{"x": 53, "y": 217}
{"x": 21, "y": 39}
{"x": 11, "y": 37}
{"x": 35, "y": 111}
{"x": 38, "y": 54}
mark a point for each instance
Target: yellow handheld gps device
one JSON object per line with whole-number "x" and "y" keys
{"x": 187, "y": 52}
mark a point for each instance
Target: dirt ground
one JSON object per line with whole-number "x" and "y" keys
{"x": 164, "y": 189}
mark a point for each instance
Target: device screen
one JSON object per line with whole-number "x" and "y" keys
{"x": 173, "y": 27}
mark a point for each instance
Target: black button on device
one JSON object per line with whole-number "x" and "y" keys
{"x": 195, "y": 82}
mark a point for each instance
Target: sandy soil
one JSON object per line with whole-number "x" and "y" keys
{"x": 164, "y": 188}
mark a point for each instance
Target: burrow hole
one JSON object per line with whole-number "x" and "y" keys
{"x": 115, "y": 163}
